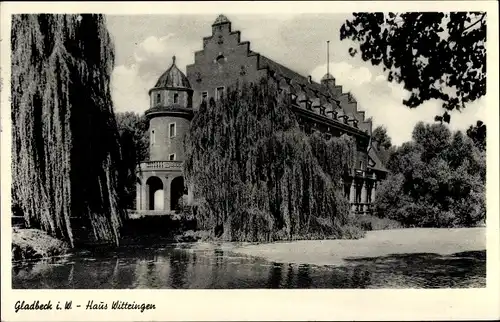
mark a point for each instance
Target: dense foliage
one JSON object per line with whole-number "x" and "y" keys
{"x": 436, "y": 55}
{"x": 133, "y": 131}
{"x": 65, "y": 142}
{"x": 437, "y": 180}
{"x": 380, "y": 135}
{"x": 257, "y": 177}
{"x": 382, "y": 143}
{"x": 478, "y": 135}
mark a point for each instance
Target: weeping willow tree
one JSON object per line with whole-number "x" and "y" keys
{"x": 257, "y": 177}
{"x": 65, "y": 141}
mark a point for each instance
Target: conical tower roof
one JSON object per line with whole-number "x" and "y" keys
{"x": 173, "y": 78}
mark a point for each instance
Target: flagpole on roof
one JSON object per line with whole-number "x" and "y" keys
{"x": 328, "y": 57}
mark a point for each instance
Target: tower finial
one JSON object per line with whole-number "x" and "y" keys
{"x": 173, "y": 60}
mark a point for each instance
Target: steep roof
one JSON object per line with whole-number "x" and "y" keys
{"x": 379, "y": 166}
{"x": 173, "y": 77}
{"x": 290, "y": 74}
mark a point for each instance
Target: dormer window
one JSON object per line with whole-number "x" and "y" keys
{"x": 308, "y": 105}
{"x": 176, "y": 98}
{"x": 293, "y": 97}
{"x": 322, "y": 110}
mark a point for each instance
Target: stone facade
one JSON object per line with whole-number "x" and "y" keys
{"x": 223, "y": 62}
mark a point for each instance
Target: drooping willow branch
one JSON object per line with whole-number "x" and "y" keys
{"x": 258, "y": 176}
{"x": 65, "y": 141}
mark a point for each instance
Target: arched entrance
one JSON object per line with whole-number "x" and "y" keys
{"x": 138, "y": 193}
{"x": 156, "y": 198}
{"x": 176, "y": 192}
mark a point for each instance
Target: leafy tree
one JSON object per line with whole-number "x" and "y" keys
{"x": 437, "y": 180}
{"x": 133, "y": 131}
{"x": 435, "y": 55}
{"x": 478, "y": 134}
{"x": 258, "y": 177}
{"x": 382, "y": 144}
{"x": 65, "y": 148}
{"x": 380, "y": 135}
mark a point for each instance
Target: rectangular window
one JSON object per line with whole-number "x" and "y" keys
{"x": 176, "y": 98}
{"x": 308, "y": 105}
{"x": 152, "y": 137}
{"x": 219, "y": 93}
{"x": 158, "y": 98}
{"x": 171, "y": 157}
{"x": 204, "y": 96}
{"x": 171, "y": 130}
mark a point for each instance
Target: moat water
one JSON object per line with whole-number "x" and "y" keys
{"x": 178, "y": 266}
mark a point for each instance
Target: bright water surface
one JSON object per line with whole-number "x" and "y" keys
{"x": 181, "y": 267}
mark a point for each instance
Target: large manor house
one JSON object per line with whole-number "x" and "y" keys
{"x": 224, "y": 61}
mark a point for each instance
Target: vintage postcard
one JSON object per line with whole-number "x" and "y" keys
{"x": 249, "y": 161}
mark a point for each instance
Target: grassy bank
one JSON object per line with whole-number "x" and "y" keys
{"x": 28, "y": 244}
{"x": 376, "y": 244}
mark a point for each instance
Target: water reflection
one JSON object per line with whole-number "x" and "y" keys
{"x": 172, "y": 267}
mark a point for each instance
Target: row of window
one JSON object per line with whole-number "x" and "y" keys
{"x": 158, "y": 98}
{"x": 172, "y": 132}
{"x": 219, "y": 94}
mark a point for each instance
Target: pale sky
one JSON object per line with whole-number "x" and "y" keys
{"x": 145, "y": 45}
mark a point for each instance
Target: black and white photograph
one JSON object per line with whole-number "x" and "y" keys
{"x": 240, "y": 150}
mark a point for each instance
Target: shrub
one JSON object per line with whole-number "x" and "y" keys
{"x": 370, "y": 222}
{"x": 437, "y": 180}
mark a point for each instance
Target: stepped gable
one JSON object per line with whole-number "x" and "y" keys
{"x": 330, "y": 96}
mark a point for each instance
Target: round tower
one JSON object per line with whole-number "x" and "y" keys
{"x": 169, "y": 115}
